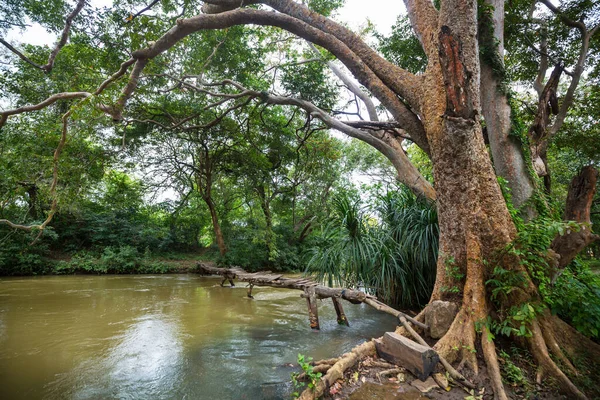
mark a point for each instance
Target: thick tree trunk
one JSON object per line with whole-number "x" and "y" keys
{"x": 507, "y": 153}
{"x": 578, "y": 208}
{"x": 475, "y": 224}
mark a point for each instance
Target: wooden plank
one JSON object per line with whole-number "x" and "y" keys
{"x": 418, "y": 359}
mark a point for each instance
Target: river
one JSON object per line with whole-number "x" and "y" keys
{"x": 162, "y": 337}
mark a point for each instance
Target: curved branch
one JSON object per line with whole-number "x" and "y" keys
{"x": 59, "y": 45}
{"x": 115, "y": 76}
{"x": 54, "y": 206}
{"x": 353, "y": 87}
{"x": 64, "y": 36}
{"x": 50, "y": 100}
{"x": 134, "y": 77}
{"x": 385, "y": 143}
{"x": 361, "y": 71}
{"x": 402, "y": 82}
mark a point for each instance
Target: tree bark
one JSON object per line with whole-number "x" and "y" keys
{"x": 265, "y": 205}
{"x": 507, "y": 153}
{"x": 216, "y": 226}
{"x": 579, "y": 203}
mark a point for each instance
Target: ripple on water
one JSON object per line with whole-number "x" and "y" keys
{"x": 161, "y": 337}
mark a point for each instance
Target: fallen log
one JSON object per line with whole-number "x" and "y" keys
{"x": 308, "y": 287}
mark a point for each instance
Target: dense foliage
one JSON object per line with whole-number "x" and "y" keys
{"x": 193, "y": 160}
{"x": 388, "y": 248}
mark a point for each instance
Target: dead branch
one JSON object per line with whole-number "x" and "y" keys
{"x": 137, "y": 14}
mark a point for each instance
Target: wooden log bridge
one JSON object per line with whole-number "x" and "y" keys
{"x": 311, "y": 291}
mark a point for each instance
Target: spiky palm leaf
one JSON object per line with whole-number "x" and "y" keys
{"x": 394, "y": 259}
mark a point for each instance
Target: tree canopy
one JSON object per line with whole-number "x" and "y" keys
{"x": 484, "y": 110}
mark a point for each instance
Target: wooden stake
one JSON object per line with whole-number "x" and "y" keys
{"x": 313, "y": 312}
{"x": 228, "y": 279}
{"x": 339, "y": 310}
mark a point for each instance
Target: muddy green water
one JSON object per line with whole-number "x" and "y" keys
{"x": 161, "y": 337}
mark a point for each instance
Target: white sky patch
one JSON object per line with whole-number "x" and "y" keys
{"x": 382, "y": 13}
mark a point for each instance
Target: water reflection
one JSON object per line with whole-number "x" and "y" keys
{"x": 160, "y": 337}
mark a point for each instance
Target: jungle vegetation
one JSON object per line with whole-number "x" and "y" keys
{"x": 206, "y": 128}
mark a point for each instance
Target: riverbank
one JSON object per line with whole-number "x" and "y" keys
{"x": 112, "y": 260}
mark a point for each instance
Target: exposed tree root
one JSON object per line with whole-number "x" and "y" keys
{"x": 460, "y": 339}
{"x": 322, "y": 368}
{"x": 378, "y": 364}
{"x": 491, "y": 361}
{"x": 544, "y": 338}
{"x": 337, "y": 370}
{"x": 553, "y": 346}
{"x": 388, "y": 372}
{"x": 539, "y": 351}
{"x": 329, "y": 361}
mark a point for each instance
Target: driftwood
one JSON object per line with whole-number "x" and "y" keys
{"x": 311, "y": 291}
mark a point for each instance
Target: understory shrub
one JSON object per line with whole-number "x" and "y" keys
{"x": 390, "y": 249}
{"x": 575, "y": 297}
{"x": 19, "y": 257}
{"x": 113, "y": 260}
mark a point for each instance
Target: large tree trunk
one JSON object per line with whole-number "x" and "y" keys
{"x": 578, "y": 209}
{"x": 507, "y": 153}
{"x": 473, "y": 218}
{"x": 475, "y": 224}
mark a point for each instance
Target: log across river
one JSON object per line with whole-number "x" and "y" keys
{"x": 311, "y": 292}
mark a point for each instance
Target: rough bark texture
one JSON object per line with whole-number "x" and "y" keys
{"x": 579, "y": 203}
{"x": 507, "y": 153}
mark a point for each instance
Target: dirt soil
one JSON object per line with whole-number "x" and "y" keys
{"x": 365, "y": 382}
